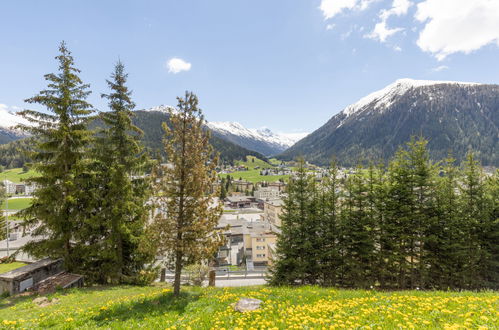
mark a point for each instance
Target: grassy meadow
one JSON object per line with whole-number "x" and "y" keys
{"x": 253, "y": 175}
{"x": 152, "y": 307}
{"x": 17, "y": 175}
{"x": 16, "y": 203}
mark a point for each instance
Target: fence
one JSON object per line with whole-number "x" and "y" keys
{"x": 221, "y": 273}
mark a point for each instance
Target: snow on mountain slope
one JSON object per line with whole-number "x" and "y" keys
{"x": 262, "y": 140}
{"x": 383, "y": 98}
{"x": 9, "y": 118}
{"x": 452, "y": 116}
{"x": 263, "y": 134}
{"x": 161, "y": 108}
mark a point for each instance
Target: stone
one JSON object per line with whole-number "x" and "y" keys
{"x": 44, "y": 301}
{"x": 41, "y": 300}
{"x": 247, "y": 305}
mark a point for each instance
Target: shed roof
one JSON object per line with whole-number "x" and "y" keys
{"x": 28, "y": 268}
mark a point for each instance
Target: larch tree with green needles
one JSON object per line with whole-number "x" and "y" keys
{"x": 62, "y": 142}
{"x": 186, "y": 212}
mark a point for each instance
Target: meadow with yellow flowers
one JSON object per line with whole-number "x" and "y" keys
{"x": 153, "y": 307}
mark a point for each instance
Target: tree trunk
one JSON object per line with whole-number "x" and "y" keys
{"x": 178, "y": 273}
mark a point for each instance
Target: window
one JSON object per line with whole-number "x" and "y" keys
{"x": 260, "y": 255}
{"x": 260, "y": 239}
{"x": 260, "y": 247}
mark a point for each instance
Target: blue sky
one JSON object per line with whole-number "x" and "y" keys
{"x": 287, "y": 65}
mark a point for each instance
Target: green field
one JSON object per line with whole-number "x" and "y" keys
{"x": 152, "y": 307}
{"x": 253, "y": 175}
{"x": 4, "y": 268}
{"x": 16, "y": 175}
{"x": 251, "y": 162}
{"x": 17, "y": 203}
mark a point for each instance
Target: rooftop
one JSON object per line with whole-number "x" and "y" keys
{"x": 28, "y": 268}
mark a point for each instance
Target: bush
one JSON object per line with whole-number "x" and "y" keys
{"x": 197, "y": 274}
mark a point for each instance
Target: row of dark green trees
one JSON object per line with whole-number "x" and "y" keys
{"x": 412, "y": 224}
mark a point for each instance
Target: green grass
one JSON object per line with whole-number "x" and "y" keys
{"x": 254, "y": 176}
{"x": 17, "y": 175}
{"x": 4, "y": 268}
{"x": 17, "y": 203}
{"x": 252, "y": 161}
{"x": 153, "y": 307}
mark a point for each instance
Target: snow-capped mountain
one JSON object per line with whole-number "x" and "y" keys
{"x": 453, "y": 116}
{"x": 8, "y": 119}
{"x": 383, "y": 98}
{"x": 261, "y": 140}
{"x": 161, "y": 108}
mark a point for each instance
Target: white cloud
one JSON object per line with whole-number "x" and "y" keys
{"x": 381, "y": 30}
{"x": 453, "y": 26}
{"x": 331, "y": 8}
{"x": 330, "y": 26}
{"x": 176, "y": 65}
{"x": 440, "y": 68}
{"x": 399, "y": 8}
{"x": 397, "y": 49}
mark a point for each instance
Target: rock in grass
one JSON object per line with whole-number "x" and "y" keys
{"x": 44, "y": 301}
{"x": 41, "y": 300}
{"x": 247, "y": 305}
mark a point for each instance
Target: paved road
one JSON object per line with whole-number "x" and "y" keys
{"x": 241, "y": 282}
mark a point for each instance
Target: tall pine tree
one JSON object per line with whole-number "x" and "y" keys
{"x": 298, "y": 235}
{"x": 121, "y": 189}
{"x": 63, "y": 137}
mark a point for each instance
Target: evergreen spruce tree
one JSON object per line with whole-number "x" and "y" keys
{"x": 474, "y": 218}
{"x": 491, "y": 234}
{"x": 424, "y": 211}
{"x": 184, "y": 227}
{"x": 122, "y": 189}
{"x": 398, "y": 228}
{"x": 63, "y": 137}
{"x": 330, "y": 260}
{"x": 358, "y": 233}
{"x": 223, "y": 189}
{"x": 294, "y": 241}
{"x": 445, "y": 239}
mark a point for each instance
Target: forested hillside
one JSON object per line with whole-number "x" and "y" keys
{"x": 454, "y": 117}
{"x": 13, "y": 154}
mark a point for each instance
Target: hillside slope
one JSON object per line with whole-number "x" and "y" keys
{"x": 150, "y": 121}
{"x": 263, "y": 140}
{"x": 454, "y": 117}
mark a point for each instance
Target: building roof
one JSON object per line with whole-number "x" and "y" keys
{"x": 28, "y": 268}
{"x": 235, "y": 199}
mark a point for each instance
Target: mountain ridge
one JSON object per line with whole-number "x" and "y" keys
{"x": 454, "y": 116}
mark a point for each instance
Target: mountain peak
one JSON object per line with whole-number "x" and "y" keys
{"x": 453, "y": 116}
{"x": 262, "y": 140}
{"x": 383, "y": 98}
{"x": 161, "y": 108}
